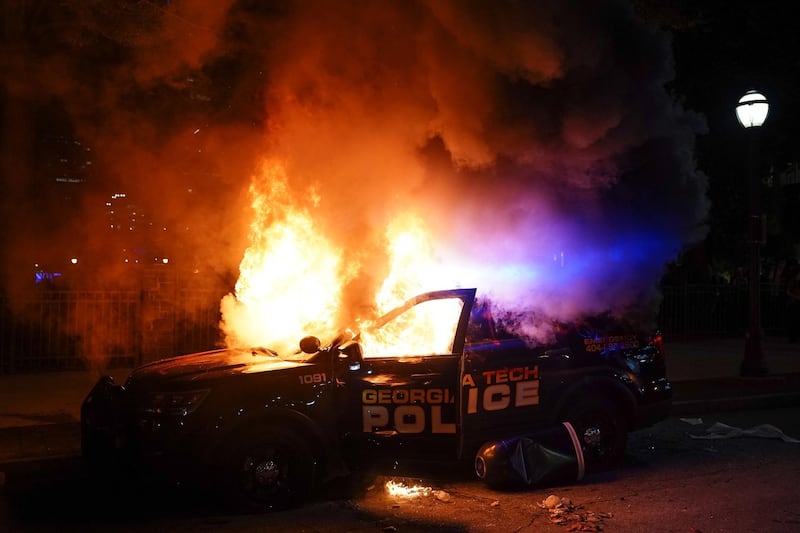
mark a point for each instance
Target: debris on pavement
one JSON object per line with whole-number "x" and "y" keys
{"x": 692, "y": 421}
{"x": 724, "y": 431}
{"x": 442, "y": 496}
{"x": 574, "y": 517}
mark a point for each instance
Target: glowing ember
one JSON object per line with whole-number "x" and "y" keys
{"x": 396, "y": 488}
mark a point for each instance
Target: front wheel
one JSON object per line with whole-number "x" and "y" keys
{"x": 267, "y": 470}
{"x": 602, "y": 430}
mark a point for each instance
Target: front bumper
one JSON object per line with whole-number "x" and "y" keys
{"x": 655, "y": 405}
{"x": 116, "y": 435}
{"x": 104, "y": 434}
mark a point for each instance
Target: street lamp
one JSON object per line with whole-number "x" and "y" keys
{"x": 752, "y": 111}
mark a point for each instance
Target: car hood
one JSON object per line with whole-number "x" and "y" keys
{"x": 210, "y": 365}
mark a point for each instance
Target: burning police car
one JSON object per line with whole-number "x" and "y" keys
{"x": 267, "y": 427}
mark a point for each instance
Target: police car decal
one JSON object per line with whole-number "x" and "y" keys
{"x": 501, "y": 389}
{"x": 406, "y": 410}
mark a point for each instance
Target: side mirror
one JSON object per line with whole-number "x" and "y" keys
{"x": 309, "y": 344}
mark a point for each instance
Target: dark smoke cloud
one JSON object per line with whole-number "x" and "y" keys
{"x": 537, "y": 139}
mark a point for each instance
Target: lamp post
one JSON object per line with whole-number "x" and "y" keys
{"x": 752, "y": 112}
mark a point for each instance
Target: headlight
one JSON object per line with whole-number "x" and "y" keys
{"x": 175, "y": 403}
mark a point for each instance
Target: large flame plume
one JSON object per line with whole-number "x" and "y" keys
{"x": 529, "y": 149}
{"x": 469, "y": 144}
{"x": 291, "y": 276}
{"x": 291, "y": 279}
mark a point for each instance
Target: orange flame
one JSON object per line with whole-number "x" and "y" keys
{"x": 426, "y": 329}
{"x": 396, "y": 488}
{"x": 413, "y": 269}
{"x": 429, "y": 328}
{"x": 292, "y": 278}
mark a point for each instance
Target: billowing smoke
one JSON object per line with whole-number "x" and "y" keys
{"x": 537, "y": 139}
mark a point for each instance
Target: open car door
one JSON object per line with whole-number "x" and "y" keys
{"x": 404, "y": 392}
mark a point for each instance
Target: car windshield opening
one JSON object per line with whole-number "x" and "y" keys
{"x": 427, "y": 328}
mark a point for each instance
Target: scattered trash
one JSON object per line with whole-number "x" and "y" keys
{"x": 564, "y": 513}
{"x": 553, "y": 501}
{"x": 389, "y": 529}
{"x": 442, "y": 496}
{"x": 495, "y": 503}
{"x": 549, "y": 456}
{"x": 724, "y": 431}
{"x": 692, "y": 421}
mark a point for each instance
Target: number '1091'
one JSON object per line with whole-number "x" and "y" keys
{"x": 312, "y": 378}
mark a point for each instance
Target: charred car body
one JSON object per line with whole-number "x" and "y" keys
{"x": 267, "y": 428}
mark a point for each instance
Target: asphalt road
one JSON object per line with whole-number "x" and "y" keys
{"x": 670, "y": 482}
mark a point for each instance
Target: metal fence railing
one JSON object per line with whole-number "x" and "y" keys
{"x": 53, "y": 330}
{"x": 67, "y": 330}
{"x": 705, "y": 310}
{"x": 62, "y": 330}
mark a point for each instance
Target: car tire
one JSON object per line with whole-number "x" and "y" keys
{"x": 602, "y": 430}
{"x": 267, "y": 470}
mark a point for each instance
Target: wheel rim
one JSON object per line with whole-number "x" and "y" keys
{"x": 598, "y": 435}
{"x": 593, "y": 437}
{"x": 264, "y": 476}
{"x": 267, "y": 473}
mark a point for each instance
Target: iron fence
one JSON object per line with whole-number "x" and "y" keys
{"x": 64, "y": 330}
{"x": 719, "y": 310}
{"x": 70, "y": 330}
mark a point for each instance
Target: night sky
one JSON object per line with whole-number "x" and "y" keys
{"x": 722, "y": 50}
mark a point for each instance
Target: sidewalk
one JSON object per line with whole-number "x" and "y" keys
{"x": 705, "y": 376}
{"x": 39, "y": 413}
